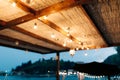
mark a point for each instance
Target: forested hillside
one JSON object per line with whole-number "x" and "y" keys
{"x": 114, "y": 59}
{"x": 42, "y": 67}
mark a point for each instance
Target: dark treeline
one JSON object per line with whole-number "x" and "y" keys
{"x": 42, "y": 67}
{"x": 114, "y": 59}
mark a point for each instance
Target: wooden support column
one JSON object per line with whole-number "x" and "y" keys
{"x": 58, "y": 66}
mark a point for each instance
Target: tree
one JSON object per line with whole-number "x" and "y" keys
{"x": 118, "y": 50}
{"x": 114, "y": 59}
{"x": 43, "y": 66}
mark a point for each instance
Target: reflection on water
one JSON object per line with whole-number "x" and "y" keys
{"x": 51, "y": 78}
{"x": 36, "y": 78}
{"x": 26, "y": 78}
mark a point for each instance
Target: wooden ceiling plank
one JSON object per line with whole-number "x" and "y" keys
{"x": 21, "y": 48}
{"x": 12, "y": 43}
{"x": 23, "y": 42}
{"x": 93, "y": 22}
{"x": 95, "y": 27}
{"x": 49, "y": 10}
{"x": 36, "y": 36}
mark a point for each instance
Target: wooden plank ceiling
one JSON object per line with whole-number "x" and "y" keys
{"x": 48, "y": 26}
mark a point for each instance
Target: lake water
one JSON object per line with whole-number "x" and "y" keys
{"x": 35, "y": 78}
{"x": 47, "y": 78}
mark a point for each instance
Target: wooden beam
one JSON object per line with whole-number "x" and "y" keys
{"x": 17, "y": 21}
{"x": 11, "y": 42}
{"x": 57, "y": 28}
{"x": 49, "y": 10}
{"x": 2, "y": 23}
{"x": 56, "y": 7}
{"x": 58, "y": 66}
{"x": 24, "y": 7}
{"x": 66, "y": 4}
{"x": 36, "y": 36}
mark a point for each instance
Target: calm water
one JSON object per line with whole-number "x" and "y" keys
{"x": 46, "y": 78}
{"x": 35, "y": 78}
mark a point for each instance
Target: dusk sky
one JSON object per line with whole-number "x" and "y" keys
{"x": 10, "y": 58}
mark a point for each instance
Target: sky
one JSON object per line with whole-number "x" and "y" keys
{"x": 10, "y": 58}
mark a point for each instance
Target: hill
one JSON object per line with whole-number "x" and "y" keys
{"x": 41, "y": 67}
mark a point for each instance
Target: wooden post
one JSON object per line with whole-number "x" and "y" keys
{"x": 58, "y": 66}
{"x": 108, "y": 77}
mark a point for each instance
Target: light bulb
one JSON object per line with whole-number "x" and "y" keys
{"x": 77, "y": 48}
{"x": 17, "y": 43}
{"x": 87, "y": 48}
{"x": 64, "y": 44}
{"x": 85, "y": 54}
{"x": 14, "y": 4}
{"x": 68, "y": 33}
{"x": 72, "y": 52}
{"x": 82, "y": 47}
{"x": 53, "y": 35}
{"x": 45, "y": 17}
{"x": 35, "y": 26}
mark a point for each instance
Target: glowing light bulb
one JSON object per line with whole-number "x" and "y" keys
{"x": 82, "y": 48}
{"x": 35, "y": 26}
{"x": 14, "y": 4}
{"x": 68, "y": 33}
{"x": 79, "y": 42}
{"x": 17, "y": 43}
{"x": 72, "y": 52}
{"x": 45, "y": 17}
{"x": 64, "y": 44}
{"x": 88, "y": 48}
{"x": 77, "y": 48}
{"x": 53, "y": 35}
{"x": 86, "y": 54}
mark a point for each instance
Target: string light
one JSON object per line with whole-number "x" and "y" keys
{"x": 44, "y": 17}
{"x": 79, "y": 42}
{"x": 68, "y": 34}
{"x": 87, "y": 48}
{"x": 65, "y": 41}
{"x": 13, "y": 4}
{"x": 82, "y": 47}
{"x": 68, "y": 31}
{"x": 17, "y": 43}
{"x": 64, "y": 44}
{"x": 77, "y": 48}
{"x": 35, "y": 26}
{"x": 53, "y": 35}
{"x": 72, "y": 52}
{"x": 86, "y": 54}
